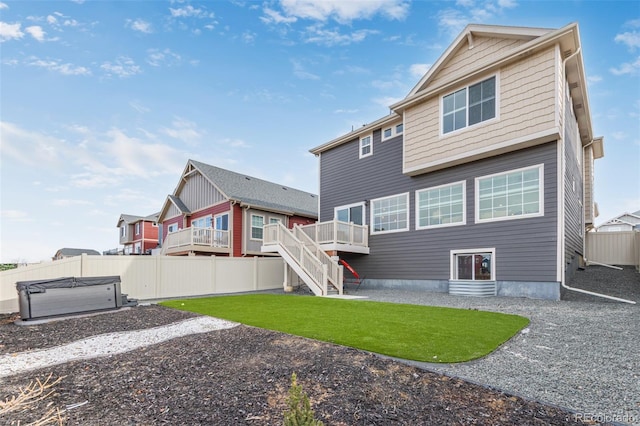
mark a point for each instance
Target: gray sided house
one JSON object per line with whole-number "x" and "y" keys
{"x": 480, "y": 181}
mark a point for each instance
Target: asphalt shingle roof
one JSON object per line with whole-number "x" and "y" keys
{"x": 260, "y": 193}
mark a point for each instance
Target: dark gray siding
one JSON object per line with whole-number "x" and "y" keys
{"x": 525, "y": 248}
{"x": 573, "y": 193}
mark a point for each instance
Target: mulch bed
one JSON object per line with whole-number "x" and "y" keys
{"x": 242, "y": 376}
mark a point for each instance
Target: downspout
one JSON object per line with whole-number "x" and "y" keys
{"x": 231, "y": 225}
{"x": 562, "y": 275}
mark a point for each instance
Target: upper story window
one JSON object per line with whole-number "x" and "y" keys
{"x": 172, "y": 228}
{"x": 275, "y": 220}
{"x": 510, "y": 195}
{"x": 202, "y": 222}
{"x": 389, "y": 132}
{"x": 350, "y": 213}
{"x": 366, "y": 146}
{"x": 468, "y": 106}
{"x": 390, "y": 214}
{"x": 137, "y": 228}
{"x": 257, "y": 222}
{"x": 123, "y": 231}
{"x": 222, "y": 222}
{"x": 441, "y": 206}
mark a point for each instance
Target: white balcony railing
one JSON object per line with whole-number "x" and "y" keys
{"x": 194, "y": 236}
{"x": 336, "y": 232}
{"x": 302, "y": 252}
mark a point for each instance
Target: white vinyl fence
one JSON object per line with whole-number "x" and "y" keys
{"x": 155, "y": 277}
{"x": 613, "y": 248}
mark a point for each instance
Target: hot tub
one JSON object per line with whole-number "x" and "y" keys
{"x": 69, "y": 295}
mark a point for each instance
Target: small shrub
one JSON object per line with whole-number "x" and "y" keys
{"x": 299, "y": 412}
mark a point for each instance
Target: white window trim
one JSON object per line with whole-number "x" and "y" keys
{"x": 213, "y": 223}
{"x": 173, "y": 225}
{"x": 275, "y": 220}
{"x": 370, "y": 153}
{"x": 540, "y": 168}
{"x": 200, "y": 218}
{"x": 348, "y": 206}
{"x": 473, "y": 126}
{"x": 123, "y": 231}
{"x": 371, "y": 214}
{"x": 394, "y": 133}
{"x": 444, "y": 225}
{"x": 452, "y": 264}
{"x": 251, "y": 227}
{"x": 137, "y": 232}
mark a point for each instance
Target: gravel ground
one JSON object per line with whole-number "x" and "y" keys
{"x": 581, "y": 355}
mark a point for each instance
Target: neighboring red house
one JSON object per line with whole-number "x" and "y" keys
{"x": 138, "y": 234}
{"x": 217, "y": 211}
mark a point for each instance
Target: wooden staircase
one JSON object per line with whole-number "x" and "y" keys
{"x": 305, "y": 257}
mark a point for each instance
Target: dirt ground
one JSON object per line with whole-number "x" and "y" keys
{"x": 241, "y": 376}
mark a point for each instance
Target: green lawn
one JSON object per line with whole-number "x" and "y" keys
{"x": 421, "y": 333}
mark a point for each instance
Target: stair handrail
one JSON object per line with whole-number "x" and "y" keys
{"x": 297, "y": 250}
{"x": 334, "y": 269}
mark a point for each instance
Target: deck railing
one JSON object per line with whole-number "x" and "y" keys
{"x": 195, "y": 236}
{"x": 308, "y": 256}
{"x": 337, "y": 232}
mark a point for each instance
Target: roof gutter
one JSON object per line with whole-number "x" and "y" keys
{"x": 562, "y": 250}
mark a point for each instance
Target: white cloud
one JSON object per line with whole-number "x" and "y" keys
{"x": 122, "y": 67}
{"x": 140, "y": 25}
{"x": 346, "y": 111}
{"x": 157, "y": 57}
{"x": 10, "y": 31}
{"x": 235, "y": 143}
{"x": 30, "y": 148}
{"x": 453, "y": 20}
{"x": 248, "y": 37}
{"x": 56, "y": 66}
{"x": 36, "y": 32}
{"x": 385, "y": 101}
{"x": 3, "y": 6}
{"x": 70, "y": 202}
{"x": 15, "y": 216}
{"x": 627, "y": 68}
{"x": 301, "y": 73}
{"x": 419, "y": 70}
{"x": 593, "y": 79}
{"x": 274, "y": 17}
{"x": 52, "y": 20}
{"x": 631, "y": 39}
{"x": 184, "y": 130}
{"x": 139, "y": 107}
{"x": 344, "y": 11}
{"x": 319, "y": 35}
{"x": 190, "y": 12}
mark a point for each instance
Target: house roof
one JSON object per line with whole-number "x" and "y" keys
{"x": 130, "y": 219}
{"x": 259, "y": 193}
{"x": 625, "y": 218}
{"x": 568, "y": 38}
{"x": 248, "y": 191}
{"x": 69, "y": 252}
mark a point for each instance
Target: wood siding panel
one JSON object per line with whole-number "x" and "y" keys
{"x": 212, "y": 211}
{"x": 253, "y": 246}
{"x": 172, "y": 211}
{"x": 485, "y": 50}
{"x": 526, "y": 106}
{"x": 299, "y": 220}
{"x": 525, "y": 248}
{"x": 198, "y": 193}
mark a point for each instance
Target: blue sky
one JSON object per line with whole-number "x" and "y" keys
{"x": 103, "y": 102}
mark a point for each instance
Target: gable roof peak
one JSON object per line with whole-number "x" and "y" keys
{"x": 467, "y": 37}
